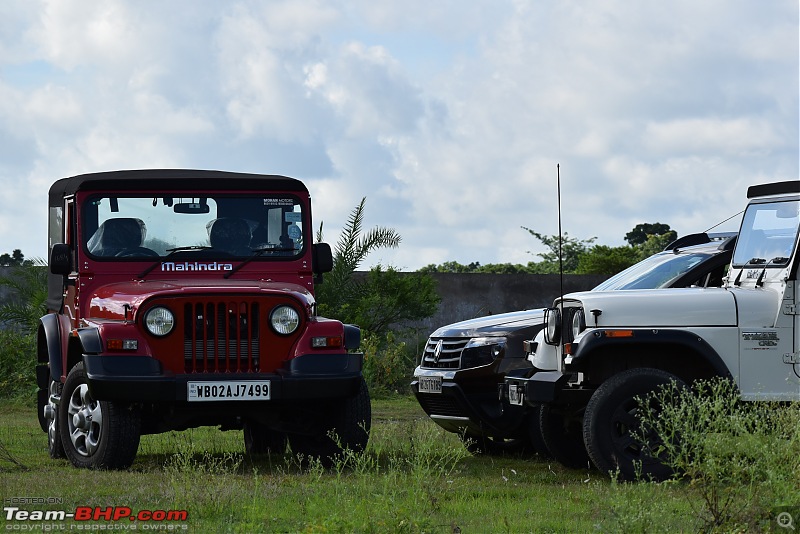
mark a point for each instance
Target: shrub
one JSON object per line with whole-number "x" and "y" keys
{"x": 17, "y": 365}
{"x": 741, "y": 459}
{"x": 388, "y": 364}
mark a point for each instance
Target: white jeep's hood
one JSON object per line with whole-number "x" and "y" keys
{"x": 660, "y": 307}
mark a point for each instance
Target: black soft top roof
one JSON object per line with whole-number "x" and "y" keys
{"x": 170, "y": 179}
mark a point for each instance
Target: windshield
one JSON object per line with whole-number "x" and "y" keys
{"x": 768, "y": 234}
{"x": 220, "y": 226}
{"x": 655, "y": 272}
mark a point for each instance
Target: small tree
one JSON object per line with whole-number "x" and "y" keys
{"x": 27, "y": 305}
{"x": 640, "y": 232}
{"x": 571, "y": 251}
{"x": 602, "y": 259}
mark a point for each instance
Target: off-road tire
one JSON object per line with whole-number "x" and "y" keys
{"x": 562, "y": 435}
{"x": 261, "y": 439}
{"x": 111, "y": 442}
{"x": 534, "y": 424}
{"x": 610, "y": 423}
{"x": 54, "y": 445}
{"x": 346, "y": 426}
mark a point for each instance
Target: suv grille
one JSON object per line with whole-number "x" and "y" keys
{"x": 221, "y": 336}
{"x": 443, "y": 353}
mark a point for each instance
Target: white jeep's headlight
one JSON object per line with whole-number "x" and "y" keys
{"x": 159, "y": 321}
{"x": 552, "y": 328}
{"x": 284, "y": 319}
{"x": 578, "y": 323}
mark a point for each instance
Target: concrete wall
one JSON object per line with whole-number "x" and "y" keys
{"x": 466, "y": 296}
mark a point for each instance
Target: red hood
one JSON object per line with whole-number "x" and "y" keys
{"x": 109, "y": 301}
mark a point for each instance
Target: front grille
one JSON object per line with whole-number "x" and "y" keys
{"x": 221, "y": 336}
{"x": 443, "y": 353}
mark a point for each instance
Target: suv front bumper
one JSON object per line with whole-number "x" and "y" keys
{"x": 142, "y": 379}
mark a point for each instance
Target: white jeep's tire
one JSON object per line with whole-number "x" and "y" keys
{"x": 611, "y": 424}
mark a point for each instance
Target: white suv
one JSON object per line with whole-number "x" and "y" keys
{"x": 603, "y": 349}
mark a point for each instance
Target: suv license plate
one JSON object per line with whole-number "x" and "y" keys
{"x": 430, "y": 384}
{"x": 228, "y": 390}
{"x": 515, "y": 394}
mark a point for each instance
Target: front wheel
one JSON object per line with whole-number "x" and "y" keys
{"x": 96, "y": 434}
{"x": 561, "y": 433}
{"x": 611, "y": 425}
{"x": 345, "y": 426}
{"x": 494, "y": 446}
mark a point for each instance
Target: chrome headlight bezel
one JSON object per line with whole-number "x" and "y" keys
{"x": 552, "y": 326}
{"x": 578, "y": 323}
{"x": 159, "y": 321}
{"x": 284, "y": 320}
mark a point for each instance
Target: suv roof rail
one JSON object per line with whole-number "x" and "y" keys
{"x": 703, "y": 238}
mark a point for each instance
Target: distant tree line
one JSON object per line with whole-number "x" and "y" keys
{"x": 578, "y": 256}
{"x": 12, "y": 260}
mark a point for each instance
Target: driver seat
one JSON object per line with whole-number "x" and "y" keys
{"x": 115, "y": 236}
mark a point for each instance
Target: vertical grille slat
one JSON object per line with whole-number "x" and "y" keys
{"x": 221, "y": 337}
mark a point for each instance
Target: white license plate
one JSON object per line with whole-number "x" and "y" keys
{"x": 228, "y": 390}
{"x": 430, "y": 384}
{"x": 515, "y": 394}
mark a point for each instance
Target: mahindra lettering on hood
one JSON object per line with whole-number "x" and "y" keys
{"x": 183, "y": 298}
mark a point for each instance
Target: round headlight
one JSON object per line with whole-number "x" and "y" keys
{"x": 284, "y": 320}
{"x": 578, "y": 322}
{"x": 159, "y": 321}
{"x": 552, "y": 329}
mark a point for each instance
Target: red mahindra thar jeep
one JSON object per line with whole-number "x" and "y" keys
{"x": 183, "y": 298}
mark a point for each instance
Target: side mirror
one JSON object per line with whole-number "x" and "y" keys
{"x": 61, "y": 259}
{"x": 321, "y": 258}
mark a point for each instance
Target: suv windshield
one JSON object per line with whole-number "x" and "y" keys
{"x": 655, "y": 272}
{"x": 768, "y": 234}
{"x": 214, "y": 226}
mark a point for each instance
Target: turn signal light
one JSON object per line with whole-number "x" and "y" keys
{"x": 122, "y": 344}
{"x": 334, "y": 342}
{"x": 618, "y": 333}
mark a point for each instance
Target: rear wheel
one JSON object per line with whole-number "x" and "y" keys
{"x": 562, "y": 435}
{"x": 96, "y": 434}
{"x": 345, "y": 426}
{"x": 54, "y": 445}
{"x": 611, "y": 425}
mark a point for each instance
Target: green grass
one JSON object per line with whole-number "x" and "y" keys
{"x": 414, "y": 477}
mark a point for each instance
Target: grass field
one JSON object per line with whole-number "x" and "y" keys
{"x": 413, "y": 478}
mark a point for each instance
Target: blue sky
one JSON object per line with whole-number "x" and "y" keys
{"x": 448, "y": 116}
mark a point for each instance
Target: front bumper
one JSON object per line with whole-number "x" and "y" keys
{"x": 461, "y": 410}
{"x": 142, "y": 379}
{"x": 543, "y": 387}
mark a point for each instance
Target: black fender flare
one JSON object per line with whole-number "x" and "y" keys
{"x": 592, "y": 343}
{"x": 352, "y": 337}
{"x": 48, "y": 350}
{"x": 90, "y": 340}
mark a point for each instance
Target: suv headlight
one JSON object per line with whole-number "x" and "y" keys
{"x": 481, "y": 351}
{"x": 159, "y": 321}
{"x": 284, "y": 319}
{"x": 578, "y": 322}
{"x": 552, "y": 328}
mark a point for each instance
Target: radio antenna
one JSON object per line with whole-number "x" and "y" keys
{"x": 560, "y": 254}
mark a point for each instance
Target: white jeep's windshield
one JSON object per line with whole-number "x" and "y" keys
{"x": 220, "y": 226}
{"x": 768, "y": 234}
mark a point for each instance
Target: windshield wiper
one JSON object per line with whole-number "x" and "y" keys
{"x": 751, "y": 261}
{"x": 257, "y": 253}
{"x": 171, "y": 252}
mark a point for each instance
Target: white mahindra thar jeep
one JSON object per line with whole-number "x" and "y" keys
{"x": 600, "y": 350}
